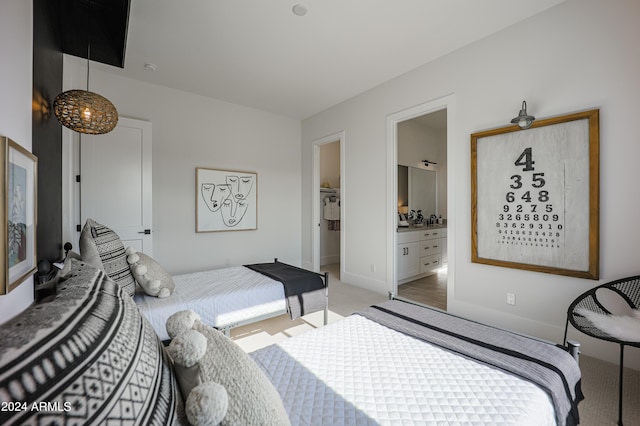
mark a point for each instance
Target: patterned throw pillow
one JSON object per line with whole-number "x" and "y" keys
{"x": 101, "y": 247}
{"x": 86, "y": 358}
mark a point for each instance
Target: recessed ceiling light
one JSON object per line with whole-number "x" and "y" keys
{"x": 299, "y": 10}
{"x": 150, "y": 66}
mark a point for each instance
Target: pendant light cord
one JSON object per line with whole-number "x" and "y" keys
{"x": 88, "y": 40}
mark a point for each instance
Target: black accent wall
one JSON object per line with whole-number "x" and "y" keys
{"x": 104, "y": 23}
{"x": 65, "y": 26}
{"x": 46, "y": 130}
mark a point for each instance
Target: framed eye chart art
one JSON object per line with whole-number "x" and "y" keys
{"x": 226, "y": 200}
{"x": 535, "y": 196}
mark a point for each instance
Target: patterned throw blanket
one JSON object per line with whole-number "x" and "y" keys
{"x": 304, "y": 290}
{"x": 547, "y": 365}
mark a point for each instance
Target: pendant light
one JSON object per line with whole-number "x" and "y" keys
{"x": 83, "y": 111}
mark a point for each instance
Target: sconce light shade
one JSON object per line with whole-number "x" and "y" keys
{"x": 523, "y": 119}
{"x": 85, "y": 112}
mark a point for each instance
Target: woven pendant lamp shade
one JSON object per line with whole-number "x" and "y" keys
{"x": 85, "y": 112}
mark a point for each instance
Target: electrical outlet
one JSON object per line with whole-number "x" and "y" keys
{"x": 511, "y": 298}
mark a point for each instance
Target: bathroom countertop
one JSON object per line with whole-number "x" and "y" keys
{"x": 419, "y": 228}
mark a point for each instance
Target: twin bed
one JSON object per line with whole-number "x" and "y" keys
{"x": 397, "y": 363}
{"x": 230, "y": 297}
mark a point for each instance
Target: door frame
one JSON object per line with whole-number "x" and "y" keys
{"x": 315, "y": 199}
{"x": 446, "y": 102}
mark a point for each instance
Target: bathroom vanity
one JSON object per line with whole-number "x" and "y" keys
{"x": 420, "y": 251}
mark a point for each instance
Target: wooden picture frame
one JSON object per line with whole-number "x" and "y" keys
{"x": 18, "y": 214}
{"x": 226, "y": 200}
{"x": 535, "y": 196}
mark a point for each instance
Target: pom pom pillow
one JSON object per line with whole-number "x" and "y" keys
{"x": 149, "y": 275}
{"x": 251, "y": 398}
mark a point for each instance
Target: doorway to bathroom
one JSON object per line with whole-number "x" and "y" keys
{"x": 418, "y": 140}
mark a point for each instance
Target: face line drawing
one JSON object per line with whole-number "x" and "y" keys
{"x": 240, "y": 186}
{"x": 214, "y": 195}
{"x": 233, "y": 212}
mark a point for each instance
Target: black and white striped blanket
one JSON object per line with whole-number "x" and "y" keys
{"x": 545, "y": 364}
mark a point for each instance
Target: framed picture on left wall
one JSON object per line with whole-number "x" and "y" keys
{"x": 18, "y": 168}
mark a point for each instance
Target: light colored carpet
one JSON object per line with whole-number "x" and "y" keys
{"x": 599, "y": 378}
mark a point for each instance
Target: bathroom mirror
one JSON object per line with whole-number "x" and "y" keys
{"x": 422, "y": 191}
{"x": 417, "y": 189}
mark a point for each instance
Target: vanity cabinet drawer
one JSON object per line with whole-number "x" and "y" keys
{"x": 432, "y": 233}
{"x": 427, "y": 263}
{"x": 430, "y": 247}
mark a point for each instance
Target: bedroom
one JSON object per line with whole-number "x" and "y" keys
{"x": 578, "y": 55}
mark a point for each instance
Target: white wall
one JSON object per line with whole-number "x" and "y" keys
{"x": 330, "y": 164}
{"x": 16, "y": 51}
{"x": 191, "y": 131}
{"x": 579, "y": 55}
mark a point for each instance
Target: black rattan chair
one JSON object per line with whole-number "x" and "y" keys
{"x": 629, "y": 290}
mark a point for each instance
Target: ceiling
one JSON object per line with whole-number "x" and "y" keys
{"x": 258, "y": 53}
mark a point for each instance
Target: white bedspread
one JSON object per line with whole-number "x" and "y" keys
{"x": 356, "y": 371}
{"x": 221, "y": 297}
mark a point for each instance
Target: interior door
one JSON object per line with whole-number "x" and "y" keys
{"x": 115, "y": 182}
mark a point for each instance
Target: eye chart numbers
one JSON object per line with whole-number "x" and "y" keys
{"x": 535, "y": 196}
{"x": 528, "y": 216}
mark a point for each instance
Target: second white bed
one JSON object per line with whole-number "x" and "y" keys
{"x": 222, "y": 297}
{"x": 358, "y": 372}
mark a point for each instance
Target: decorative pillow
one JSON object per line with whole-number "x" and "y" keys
{"x": 252, "y": 399}
{"x": 207, "y": 404}
{"x": 102, "y": 248}
{"x": 90, "y": 356}
{"x": 149, "y": 275}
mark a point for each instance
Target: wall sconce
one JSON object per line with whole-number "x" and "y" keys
{"x": 523, "y": 119}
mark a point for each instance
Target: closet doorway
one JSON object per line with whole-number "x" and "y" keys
{"x": 328, "y": 204}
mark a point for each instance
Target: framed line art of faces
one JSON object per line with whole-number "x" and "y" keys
{"x": 226, "y": 200}
{"x": 18, "y": 168}
{"x": 535, "y": 196}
